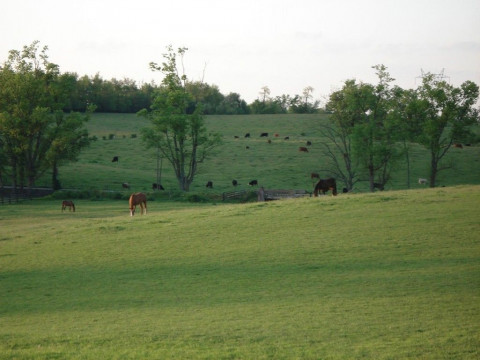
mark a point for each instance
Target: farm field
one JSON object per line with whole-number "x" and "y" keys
{"x": 278, "y": 165}
{"x": 388, "y": 275}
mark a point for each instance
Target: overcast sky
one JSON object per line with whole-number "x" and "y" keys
{"x": 241, "y": 46}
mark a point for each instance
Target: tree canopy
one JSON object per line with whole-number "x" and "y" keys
{"x": 32, "y": 123}
{"x": 178, "y": 130}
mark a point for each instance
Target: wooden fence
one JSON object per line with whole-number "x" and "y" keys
{"x": 269, "y": 194}
{"x": 276, "y": 194}
{"x": 8, "y": 195}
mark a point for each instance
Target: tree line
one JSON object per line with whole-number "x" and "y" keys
{"x": 43, "y": 114}
{"x": 372, "y": 126}
{"x": 126, "y": 96}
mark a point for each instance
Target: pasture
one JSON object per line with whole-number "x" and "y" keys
{"x": 390, "y": 275}
{"x": 276, "y": 165}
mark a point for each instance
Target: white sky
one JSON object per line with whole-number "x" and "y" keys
{"x": 245, "y": 45}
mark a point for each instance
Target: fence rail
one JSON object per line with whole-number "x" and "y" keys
{"x": 9, "y": 195}
{"x": 276, "y": 194}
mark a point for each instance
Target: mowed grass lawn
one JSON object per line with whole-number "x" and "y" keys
{"x": 391, "y": 275}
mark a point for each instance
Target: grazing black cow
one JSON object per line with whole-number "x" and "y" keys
{"x": 286, "y": 138}
{"x": 309, "y": 143}
{"x": 209, "y": 185}
{"x": 126, "y": 185}
{"x": 378, "y": 186}
{"x": 235, "y": 137}
{"x": 302, "y": 149}
{"x": 264, "y": 135}
{"x": 253, "y": 183}
{"x": 247, "y": 135}
{"x": 115, "y": 159}
{"x": 247, "y": 147}
{"x": 345, "y": 190}
{"x": 234, "y": 182}
{"x": 324, "y": 185}
{"x": 156, "y": 186}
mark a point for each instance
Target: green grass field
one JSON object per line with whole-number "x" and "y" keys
{"x": 390, "y": 275}
{"x": 278, "y": 165}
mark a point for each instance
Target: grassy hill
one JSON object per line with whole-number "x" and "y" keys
{"x": 275, "y": 165}
{"x": 391, "y": 275}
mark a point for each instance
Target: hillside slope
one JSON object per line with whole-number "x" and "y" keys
{"x": 384, "y": 275}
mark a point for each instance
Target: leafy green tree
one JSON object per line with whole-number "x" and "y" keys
{"x": 68, "y": 137}
{"x": 233, "y": 104}
{"x": 179, "y": 133}
{"x": 362, "y": 131}
{"x": 30, "y": 93}
{"x": 444, "y": 115}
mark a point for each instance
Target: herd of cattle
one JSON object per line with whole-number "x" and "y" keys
{"x": 313, "y": 176}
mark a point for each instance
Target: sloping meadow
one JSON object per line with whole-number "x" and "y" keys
{"x": 387, "y": 275}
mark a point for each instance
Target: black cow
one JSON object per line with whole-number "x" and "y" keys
{"x": 264, "y": 135}
{"x": 126, "y": 185}
{"x": 115, "y": 159}
{"x": 286, "y": 138}
{"x": 209, "y": 185}
{"x": 253, "y": 183}
{"x": 156, "y": 186}
{"x": 234, "y": 182}
{"x": 309, "y": 143}
{"x": 378, "y": 186}
{"x": 247, "y": 135}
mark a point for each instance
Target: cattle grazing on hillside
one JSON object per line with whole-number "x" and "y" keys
{"x": 458, "y": 146}
{"x": 422, "y": 181}
{"x": 286, "y": 138}
{"x": 378, "y": 186}
{"x": 247, "y": 135}
{"x": 323, "y": 185}
{"x": 209, "y": 185}
{"x": 264, "y": 135}
{"x": 234, "y": 182}
{"x": 156, "y": 186}
{"x": 302, "y": 149}
{"x": 345, "y": 190}
{"x": 69, "y": 204}
{"x": 126, "y": 185}
{"x": 253, "y": 183}
{"x": 115, "y": 159}
{"x": 309, "y": 143}
{"x": 276, "y": 135}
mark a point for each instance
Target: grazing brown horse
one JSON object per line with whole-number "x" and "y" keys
{"x": 324, "y": 185}
{"x": 70, "y": 204}
{"x": 137, "y": 199}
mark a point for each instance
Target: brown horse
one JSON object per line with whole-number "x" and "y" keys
{"x": 137, "y": 199}
{"x": 324, "y": 185}
{"x": 70, "y": 204}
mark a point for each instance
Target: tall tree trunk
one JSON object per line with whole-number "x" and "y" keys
{"x": 407, "y": 159}
{"x": 55, "y": 182}
{"x": 433, "y": 170}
